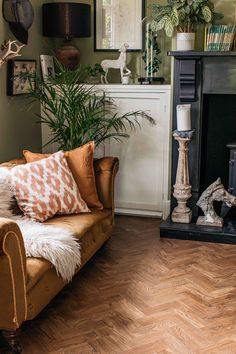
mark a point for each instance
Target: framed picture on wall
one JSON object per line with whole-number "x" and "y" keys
{"x": 118, "y": 22}
{"x": 17, "y": 82}
{"x": 47, "y": 66}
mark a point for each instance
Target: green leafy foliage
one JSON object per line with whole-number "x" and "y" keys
{"x": 185, "y": 15}
{"x": 174, "y": 16}
{"x": 95, "y": 70}
{"x": 169, "y": 27}
{"x": 151, "y": 66}
{"x": 207, "y": 14}
{"x": 78, "y": 113}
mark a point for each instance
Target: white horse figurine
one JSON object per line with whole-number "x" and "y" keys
{"x": 119, "y": 63}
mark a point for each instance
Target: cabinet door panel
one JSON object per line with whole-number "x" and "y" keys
{"x": 139, "y": 183}
{"x": 143, "y": 183}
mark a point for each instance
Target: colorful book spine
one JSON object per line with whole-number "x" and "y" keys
{"x": 220, "y": 37}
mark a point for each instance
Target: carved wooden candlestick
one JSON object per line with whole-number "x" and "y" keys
{"x": 182, "y": 188}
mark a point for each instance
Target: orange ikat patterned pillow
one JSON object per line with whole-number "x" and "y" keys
{"x": 46, "y": 187}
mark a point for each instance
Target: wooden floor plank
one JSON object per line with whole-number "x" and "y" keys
{"x": 143, "y": 295}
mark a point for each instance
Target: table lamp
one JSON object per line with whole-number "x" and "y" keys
{"x": 67, "y": 20}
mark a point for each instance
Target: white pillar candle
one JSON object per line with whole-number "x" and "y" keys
{"x": 183, "y": 117}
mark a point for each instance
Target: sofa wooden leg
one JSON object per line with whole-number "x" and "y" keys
{"x": 12, "y": 338}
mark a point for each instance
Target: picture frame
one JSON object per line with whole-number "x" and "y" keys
{"x": 17, "y": 84}
{"x": 47, "y": 66}
{"x": 113, "y": 28}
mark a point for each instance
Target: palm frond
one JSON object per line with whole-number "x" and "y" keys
{"x": 76, "y": 113}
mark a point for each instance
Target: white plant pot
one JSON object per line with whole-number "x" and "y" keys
{"x": 185, "y": 41}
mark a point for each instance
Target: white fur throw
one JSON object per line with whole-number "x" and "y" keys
{"x": 57, "y": 245}
{"x": 6, "y": 194}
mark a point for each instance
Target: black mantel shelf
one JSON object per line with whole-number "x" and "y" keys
{"x": 194, "y": 54}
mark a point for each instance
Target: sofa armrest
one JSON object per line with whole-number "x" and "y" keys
{"x": 106, "y": 169}
{"x": 13, "y": 305}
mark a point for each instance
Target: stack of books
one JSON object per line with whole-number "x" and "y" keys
{"x": 220, "y": 37}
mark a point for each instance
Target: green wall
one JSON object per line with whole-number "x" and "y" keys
{"x": 88, "y": 56}
{"x": 18, "y": 127}
{"x": 18, "y": 122}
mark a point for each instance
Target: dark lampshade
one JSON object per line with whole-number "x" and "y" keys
{"x": 66, "y": 20}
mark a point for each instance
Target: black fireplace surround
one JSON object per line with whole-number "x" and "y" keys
{"x": 207, "y": 80}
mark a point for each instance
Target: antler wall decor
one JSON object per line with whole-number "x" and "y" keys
{"x": 10, "y": 50}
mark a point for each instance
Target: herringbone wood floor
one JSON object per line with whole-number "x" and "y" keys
{"x": 142, "y": 295}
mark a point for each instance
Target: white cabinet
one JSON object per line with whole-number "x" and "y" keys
{"x": 143, "y": 181}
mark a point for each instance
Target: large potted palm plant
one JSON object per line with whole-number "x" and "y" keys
{"x": 185, "y": 16}
{"x": 78, "y": 113}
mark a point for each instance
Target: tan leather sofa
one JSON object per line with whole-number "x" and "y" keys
{"x": 27, "y": 285}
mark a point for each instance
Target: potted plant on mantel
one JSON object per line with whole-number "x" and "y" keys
{"x": 94, "y": 74}
{"x": 185, "y": 16}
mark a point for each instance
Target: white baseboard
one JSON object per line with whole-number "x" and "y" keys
{"x": 166, "y": 209}
{"x": 144, "y": 213}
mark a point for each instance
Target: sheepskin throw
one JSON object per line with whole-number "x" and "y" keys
{"x": 6, "y": 194}
{"x": 57, "y": 245}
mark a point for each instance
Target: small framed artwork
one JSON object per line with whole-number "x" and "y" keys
{"x": 47, "y": 66}
{"x": 17, "y": 82}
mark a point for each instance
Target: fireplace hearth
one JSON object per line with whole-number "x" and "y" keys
{"x": 207, "y": 80}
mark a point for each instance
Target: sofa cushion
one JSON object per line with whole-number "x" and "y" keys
{"x": 79, "y": 224}
{"x": 34, "y": 156}
{"x": 47, "y": 187}
{"x": 13, "y": 163}
{"x": 80, "y": 161}
{"x": 90, "y": 229}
